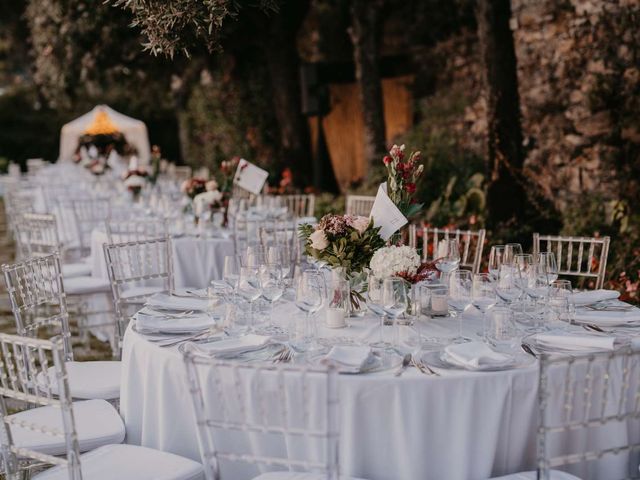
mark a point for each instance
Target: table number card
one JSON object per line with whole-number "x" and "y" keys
{"x": 385, "y": 214}
{"x": 250, "y": 177}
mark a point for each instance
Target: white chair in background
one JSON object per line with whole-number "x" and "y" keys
{"x": 137, "y": 270}
{"x": 38, "y": 301}
{"x": 16, "y": 203}
{"x": 300, "y": 205}
{"x": 359, "y": 205}
{"x": 59, "y": 429}
{"x": 34, "y": 165}
{"x": 471, "y": 244}
{"x": 37, "y": 236}
{"x": 134, "y": 230}
{"x": 181, "y": 173}
{"x": 300, "y": 447}
{"x": 89, "y": 213}
{"x": 581, "y": 398}
{"x": 584, "y": 257}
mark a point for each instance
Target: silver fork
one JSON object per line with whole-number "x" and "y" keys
{"x": 423, "y": 368}
{"x": 283, "y": 356}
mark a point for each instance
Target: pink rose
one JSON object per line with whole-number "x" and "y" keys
{"x": 319, "y": 240}
{"x": 211, "y": 185}
{"x": 359, "y": 223}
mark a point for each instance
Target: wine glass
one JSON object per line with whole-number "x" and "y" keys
{"x": 249, "y": 287}
{"x": 254, "y": 256}
{"x": 311, "y": 293}
{"x": 496, "y": 257}
{"x": 394, "y": 300}
{"x": 510, "y": 252}
{"x": 548, "y": 261}
{"x": 460, "y": 285}
{"x": 483, "y": 292}
{"x": 448, "y": 257}
{"x": 272, "y": 287}
{"x": 374, "y": 303}
{"x": 231, "y": 271}
{"x": 279, "y": 255}
{"x": 507, "y": 287}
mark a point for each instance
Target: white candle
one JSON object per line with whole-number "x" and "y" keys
{"x": 335, "y": 317}
{"x": 439, "y": 303}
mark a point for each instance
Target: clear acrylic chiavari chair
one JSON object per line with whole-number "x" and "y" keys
{"x": 583, "y": 257}
{"x": 588, "y": 417}
{"x": 359, "y": 205}
{"x": 137, "y": 270}
{"x": 39, "y": 304}
{"x": 300, "y": 205}
{"x": 37, "y": 236}
{"x": 16, "y": 204}
{"x": 272, "y": 418}
{"x": 427, "y": 239}
{"x": 89, "y": 214}
{"x": 135, "y": 230}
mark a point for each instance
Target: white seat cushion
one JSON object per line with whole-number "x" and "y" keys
{"x": 97, "y": 424}
{"x": 70, "y": 270}
{"x": 297, "y": 476}
{"x": 554, "y": 474}
{"x": 89, "y": 380}
{"x": 85, "y": 285}
{"x": 130, "y": 462}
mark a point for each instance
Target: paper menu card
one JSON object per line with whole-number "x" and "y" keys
{"x": 250, "y": 177}
{"x": 385, "y": 214}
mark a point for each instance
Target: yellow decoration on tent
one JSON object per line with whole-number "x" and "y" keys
{"x": 102, "y": 125}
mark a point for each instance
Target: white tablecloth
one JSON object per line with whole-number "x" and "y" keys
{"x": 196, "y": 260}
{"x": 461, "y": 425}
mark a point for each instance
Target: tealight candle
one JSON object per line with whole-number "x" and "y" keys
{"x": 439, "y": 304}
{"x": 335, "y": 318}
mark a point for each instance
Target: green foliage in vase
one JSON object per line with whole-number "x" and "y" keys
{"x": 335, "y": 241}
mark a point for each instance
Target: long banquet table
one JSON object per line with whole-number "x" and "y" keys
{"x": 460, "y": 425}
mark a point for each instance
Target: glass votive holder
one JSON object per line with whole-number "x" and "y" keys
{"x": 337, "y": 309}
{"x": 434, "y": 299}
{"x": 501, "y": 330}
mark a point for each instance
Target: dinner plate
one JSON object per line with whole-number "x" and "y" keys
{"x": 379, "y": 361}
{"x": 438, "y": 359}
{"x": 168, "y": 333}
{"x": 263, "y": 353}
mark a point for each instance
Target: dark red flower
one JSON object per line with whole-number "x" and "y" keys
{"x": 410, "y": 187}
{"x": 387, "y": 159}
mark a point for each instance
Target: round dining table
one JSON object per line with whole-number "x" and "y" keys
{"x": 454, "y": 425}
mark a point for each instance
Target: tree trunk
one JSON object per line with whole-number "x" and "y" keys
{"x": 181, "y": 91}
{"x": 506, "y": 196}
{"x": 283, "y": 64}
{"x": 364, "y": 32}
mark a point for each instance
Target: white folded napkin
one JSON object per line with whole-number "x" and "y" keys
{"x": 575, "y": 341}
{"x": 234, "y": 345}
{"x": 149, "y": 320}
{"x": 163, "y": 300}
{"x": 352, "y": 357}
{"x": 610, "y": 318}
{"x": 592, "y": 296}
{"x": 475, "y": 355}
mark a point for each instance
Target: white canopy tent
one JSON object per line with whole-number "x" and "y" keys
{"x": 134, "y": 131}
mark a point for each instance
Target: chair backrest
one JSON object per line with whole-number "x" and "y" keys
{"x": 290, "y": 415}
{"x": 576, "y": 256}
{"x": 300, "y": 205}
{"x": 37, "y": 297}
{"x": 16, "y": 204}
{"x": 89, "y": 214}
{"x": 134, "y": 230}
{"x": 143, "y": 263}
{"x": 37, "y": 235}
{"x": 182, "y": 173}
{"x": 283, "y": 234}
{"x": 595, "y": 396}
{"x": 427, "y": 239}
{"x": 24, "y": 376}
{"x": 359, "y": 205}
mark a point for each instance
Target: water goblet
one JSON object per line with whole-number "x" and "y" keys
{"x": 272, "y": 287}
{"x": 510, "y": 252}
{"x": 483, "y": 294}
{"x": 394, "y": 301}
{"x": 231, "y": 271}
{"x": 447, "y": 258}
{"x": 460, "y": 285}
{"x": 548, "y": 261}
{"x": 374, "y": 303}
{"x": 496, "y": 257}
{"x": 311, "y": 293}
{"x": 249, "y": 288}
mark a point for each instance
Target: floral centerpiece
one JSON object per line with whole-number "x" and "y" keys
{"x": 401, "y": 261}
{"x": 347, "y": 242}
{"x": 209, "y": 201}
{"x": 135, "y": 180}
{"x": 98, "y": 166}
{"x": 193, "y": 186}
{"x": 402, "y": 179}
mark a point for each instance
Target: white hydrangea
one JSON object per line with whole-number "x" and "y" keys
{"x": 389, "y": 261}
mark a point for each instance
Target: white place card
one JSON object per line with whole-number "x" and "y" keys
{"x": 385, "y": 214}
{"x": 250, "y": 177}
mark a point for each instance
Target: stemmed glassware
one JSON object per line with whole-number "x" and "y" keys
{"x": 249, "y": 288}
{"x": 311, "y": 293}
{"x": 231, "y": 271}
{"x": 394, "y": 300}
{"x": 374, "y": 303}
{"x": 272, "y": 287}
{"x": 522, "y": 265}
{"x": 548, "y": 261}
{"x": 561, "y": 302}
{"x": 507, "y": 287}
{"x": 510, "y": 252}
{"x": 448, "y": 258}
{"x": 496, "y": 257}
{"x": 460, "y": 285}
{"x": 483, "y": 292}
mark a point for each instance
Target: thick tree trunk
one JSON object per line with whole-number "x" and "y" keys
{"x": 181, "y": 91}
{"x": 364, "y": 31}
{"x": 506, "y": 196}
{"x": 283, "y": 64}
